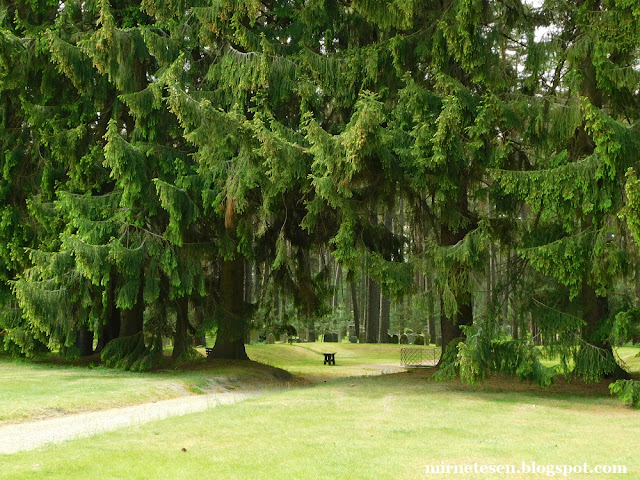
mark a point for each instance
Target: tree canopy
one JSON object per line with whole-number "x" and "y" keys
{"x": 170, "y": 168}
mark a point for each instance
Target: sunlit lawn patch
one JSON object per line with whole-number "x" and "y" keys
{"x": 374, "y": 427}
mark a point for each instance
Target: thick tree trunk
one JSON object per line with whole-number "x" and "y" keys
{"x": 200, "y": 335}
{"x": 84, "y": 341}
{"x": 231, "y": 329}
{"x": 450, "y": 327}
{"x": 181, "y": 342}
{"x": 596, "y": 310}
{"x": 132, "y": 321}
{"x": 111, "y": 330}
{"x": 248, "y": 297}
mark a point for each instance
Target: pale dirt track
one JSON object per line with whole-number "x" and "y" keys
{"x": 31, "y": 435}
{"x": 34, "y": 434}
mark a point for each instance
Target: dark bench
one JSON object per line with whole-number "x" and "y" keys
{"x": 329, "y": 358}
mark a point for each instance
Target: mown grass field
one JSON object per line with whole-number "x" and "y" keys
{"x": 306, "y": 359}
{"x": 387, "y": 427}
{"x": 30, "y": 391}
{"x": 353, "y": 427}
{"x": 39, "y": 390}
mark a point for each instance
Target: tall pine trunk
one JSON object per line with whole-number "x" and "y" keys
{"x": 596, "y": 310}
{"x": 248, "y": 282}
{"x": 432, "y": 314}
{"x": 373, "y": 311}
{"x": 450, "y": 327}
{"x": 84, "y": 340}
{"x": 356, "y": 313}
{"x": 231, "y": 328}
{"x": 132, "y": 321}
{"x": 111, "y": 329}
{"x": 385, "y": 320}
{"x": 181, "y": 337}
{"x": 385, "y": 302}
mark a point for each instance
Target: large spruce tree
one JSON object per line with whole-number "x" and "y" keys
{"x": 152, "y": 151}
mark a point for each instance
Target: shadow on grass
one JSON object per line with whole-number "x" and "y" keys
{"x": 202, "y": 376}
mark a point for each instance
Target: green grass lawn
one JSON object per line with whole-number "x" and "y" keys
{"x": 34, "y": 390}
{"x": 42, "y": 389}
{"x": 306, "y": 359}
{"x": 629, "y": 355}
{"x": 387, "y": 427}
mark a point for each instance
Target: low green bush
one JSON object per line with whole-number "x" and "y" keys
{"x": 628, "y": 391}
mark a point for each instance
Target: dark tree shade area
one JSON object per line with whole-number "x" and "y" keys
{"x": 464, "y": 168}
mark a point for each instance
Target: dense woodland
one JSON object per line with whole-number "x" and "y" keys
{"x": 459, "y": 167}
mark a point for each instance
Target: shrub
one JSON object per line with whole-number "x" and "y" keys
{"x": 628, "y": 391}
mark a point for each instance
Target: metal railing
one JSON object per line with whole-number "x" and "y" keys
{"x": 419, "y": 357}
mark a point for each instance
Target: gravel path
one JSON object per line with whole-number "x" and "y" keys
{"x": 30, "y": 435}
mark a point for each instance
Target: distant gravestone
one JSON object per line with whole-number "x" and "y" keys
{"x": 412, "y": 338}
{"x": 353, "y": 339}
{"x": 404, "y": 340}
{"x": 283, "y": 338}
{"x": 395, "y": 339}
{"x": 419, "y": 340}
{"x": 271, "y": 339}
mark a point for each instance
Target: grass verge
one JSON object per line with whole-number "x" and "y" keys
{"x": 387, "y": 427}
{"x": 37, "y": 390}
